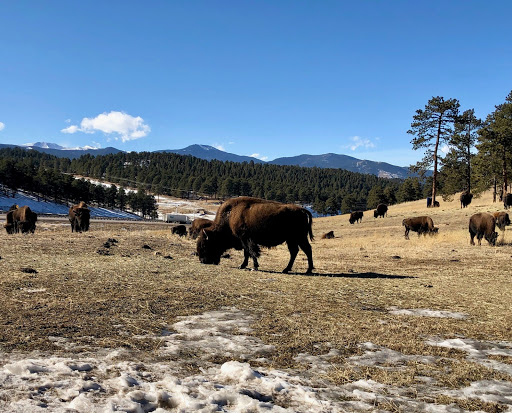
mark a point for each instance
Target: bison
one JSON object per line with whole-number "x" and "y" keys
{"x": 483, "y": 225}
{"x": 502, "y": 220}
{"x": 465, "y": 199}
{"x": 180, "y": 230}
{"x": 507, "y": 200}
{"x": 429, "y": 203}
{"x": 20, "y": 219}
{"x": 249, "y": 223}
{"x": 422, "y": 225}
{"x": 197, "y": 225}
{"x": 79, "y": 217}
{"x": 356, "y": 216}
{"x": 328, "y": 235}
{"x": 382, "y": 209}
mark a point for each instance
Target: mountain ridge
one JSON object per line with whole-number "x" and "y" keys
{"x": 209, "y": 153}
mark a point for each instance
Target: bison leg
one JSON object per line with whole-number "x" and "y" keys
{"x": 407, "y": 232}
{"x": 294, "y": 250}
{"x": 250, "y": 250}
{"x": 306, "y": 247}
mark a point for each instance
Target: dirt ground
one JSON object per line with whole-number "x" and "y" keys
{"x": 55, "y": 283}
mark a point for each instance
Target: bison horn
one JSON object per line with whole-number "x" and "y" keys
{"x": 205, "y": 235}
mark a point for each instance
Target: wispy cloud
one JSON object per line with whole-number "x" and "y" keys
{"x": 2, "y": 125}
{"x": 119, "y": 125}
{"x": 258, "y": 156}
{"x": 219, "y": 147}
{"x": 358, "y": 142}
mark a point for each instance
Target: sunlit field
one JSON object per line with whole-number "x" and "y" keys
{"x": 383, "y": 323}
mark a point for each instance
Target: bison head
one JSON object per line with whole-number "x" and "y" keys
{"x": 491, "y": 239}
{"x": 375, "y": 213}
{"x": 209, "y": 248}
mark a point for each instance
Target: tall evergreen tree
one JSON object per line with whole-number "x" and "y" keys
{"x": 431, "y": 128}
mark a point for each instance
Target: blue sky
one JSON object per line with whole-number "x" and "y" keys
{"x": 272, "y": 78}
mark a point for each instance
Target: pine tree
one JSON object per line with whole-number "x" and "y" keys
{"x": 432, "y": 127}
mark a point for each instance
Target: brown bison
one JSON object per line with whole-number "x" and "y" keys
{"x": 465, "y": 199}
{"x": 502, "y": 220}
{"x": 382, "y": 209}
{"x": 253, "y": 222}
{"x": 328, "y": 235}
{"x": 507, "y": 200}
{"x": 197, "y": 225}
{"x": 483, "y": 225}
{"x": 356, "y": 216}
{"x": 79, "y": 217}
{"x": 180, "y": 230}
{"x": 20, "y": 219}
{"x": 422, "y": 225}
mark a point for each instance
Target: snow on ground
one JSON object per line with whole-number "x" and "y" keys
{"x": 47, "y": 207}
{"x": 425, "y": 312}
{"x": 108, "y": 380}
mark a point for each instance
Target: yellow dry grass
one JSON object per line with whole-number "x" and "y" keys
{"x": 113, "y": 300}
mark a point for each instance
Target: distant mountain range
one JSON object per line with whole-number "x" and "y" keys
{"x": 207, "y": 152}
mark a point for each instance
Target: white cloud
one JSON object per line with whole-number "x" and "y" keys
{"x": 445, "y": 148}
{"x": 358, "y": 142}
{"x": 2, "y": 125}
{"x": 70, "y": 129}
{"x": 219, "y": 147}
{"x": 122, "y": 125}
{"x": 258, "y": 156}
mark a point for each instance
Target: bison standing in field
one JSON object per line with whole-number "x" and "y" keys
{"x": 252, "y": 222}
{"x": 79, "y": 217}
{"x": 465, "y": 199}
{"x": 20, "y": 219}
{"x": 502, "y": 220}
{"x": 429, "y": 203}
{"x": 507, "y": 200}
{"x": 422, "y": 225}
{"x": 356, "y": 216}
{"x": 483, "y": 225}
{"x": 180, "y": 230}
{"x": 197, "y": 225}
{"x": 382, "y": 209}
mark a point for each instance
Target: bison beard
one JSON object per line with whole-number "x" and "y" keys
{"x": 248, "y": 223}
{"x": 79, "y": 217}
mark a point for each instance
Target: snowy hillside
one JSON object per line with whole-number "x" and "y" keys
{"x": 43, "y": 207}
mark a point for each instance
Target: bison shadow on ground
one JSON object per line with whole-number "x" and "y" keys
{"x": 364, "y": 275}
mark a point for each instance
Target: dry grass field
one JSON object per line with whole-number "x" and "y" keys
{"x": 99, "y": 294}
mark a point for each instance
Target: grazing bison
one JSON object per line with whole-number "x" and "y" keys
{"x": 79, "y": 217}
{"x": 197, "y": 225}
{"x": 253, "y": 222}
{"x": 483, "y": 225}
{"x": 422, "y": 225}
{"x": 429, "y": 203}
{"x": 20, "y": 219}
{"x": 382, "y": 209}
{"x": 507, "y": 200}
{"x": 356, "y": 216}
{"x": 465, "y": 199}
{"x": 502, "y": 220}
{"x": 328, "y": 235}
{"x": 180, "y": 230}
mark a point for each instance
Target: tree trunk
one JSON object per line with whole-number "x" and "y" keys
{"x": 494, "y": 190}
{"x": 434, "y": 176}
{"x": 504, "y": 173}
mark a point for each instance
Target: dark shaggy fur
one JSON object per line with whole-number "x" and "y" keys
{"x": 465, "y": 199}
{"x": 382, "y": 209}
{"x": 328, "y": 235}
{"x": 79, "y": 217}
{"x": 253, "y": 222}
{"x": 502, "y": 220}
{"x": 20, "y": 220}
{"x": 180, "y": 230}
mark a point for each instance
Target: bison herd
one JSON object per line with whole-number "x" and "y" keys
{"x": 247, "y": 223}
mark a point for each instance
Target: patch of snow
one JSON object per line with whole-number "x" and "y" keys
{"x": 425, "y": 312}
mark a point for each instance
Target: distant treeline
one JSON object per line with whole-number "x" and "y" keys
{"x": 44, "y": 175}
{"x": 328, "y": 190}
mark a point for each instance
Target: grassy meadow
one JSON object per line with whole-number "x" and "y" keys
{"x": 55, "y": 283}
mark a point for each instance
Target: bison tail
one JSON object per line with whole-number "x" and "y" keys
{"x": 310, "y": 223}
